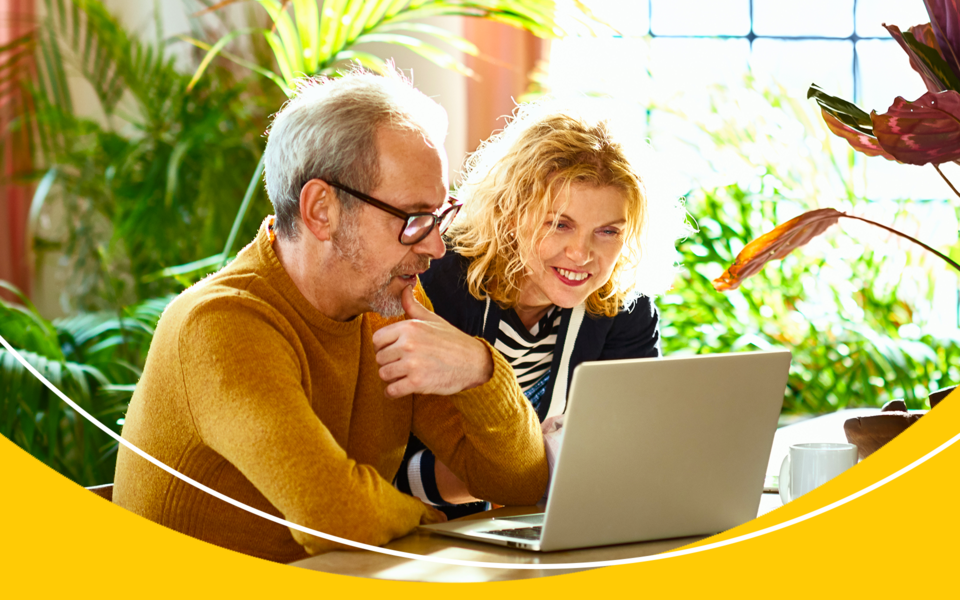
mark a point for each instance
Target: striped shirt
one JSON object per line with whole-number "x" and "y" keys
{"x": 529, "y": 352}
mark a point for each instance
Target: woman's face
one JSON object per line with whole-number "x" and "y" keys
{"x": 576, "y": 256}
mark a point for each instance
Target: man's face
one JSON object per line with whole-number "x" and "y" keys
{"x": 412, "y": 179}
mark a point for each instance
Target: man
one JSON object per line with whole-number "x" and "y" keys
{"x": 289, "y": 382}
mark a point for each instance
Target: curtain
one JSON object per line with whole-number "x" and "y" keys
{"x": 508, "y": 56}
{"x": 15, "y": 18}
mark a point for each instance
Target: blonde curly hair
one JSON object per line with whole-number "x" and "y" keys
{"x": 508, "y": 189}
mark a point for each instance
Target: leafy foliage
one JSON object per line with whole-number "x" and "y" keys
{"x": 839, "y": 307}
{"x": 93, "y": 358}
{"x": 147, "y": 188}
{"x": 153, "y": 183}
{"x": 919, "y": 132}
{"x": 787, "y": 237}
{"x": 311, "y": 37}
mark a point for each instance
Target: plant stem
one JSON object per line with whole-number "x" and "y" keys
{"x": 937, "y": 167}
{"x": 903, "y": 235}
{"x": 247, "y": 197}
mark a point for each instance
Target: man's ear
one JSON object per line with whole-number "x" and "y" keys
{"x": 319, "y": 209}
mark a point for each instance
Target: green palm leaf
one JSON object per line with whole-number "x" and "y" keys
{"x": 315, "y": 38}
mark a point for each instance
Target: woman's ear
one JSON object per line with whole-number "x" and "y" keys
{"x": 319, "y": 209}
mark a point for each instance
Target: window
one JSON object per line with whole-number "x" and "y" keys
{"x": 668, "y": 52}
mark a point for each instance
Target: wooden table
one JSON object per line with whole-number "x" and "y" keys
{"x": 827, "y": 428}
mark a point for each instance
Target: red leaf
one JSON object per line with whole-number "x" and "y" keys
{"x": 925, "y": 36}
{"x": 921, "y": 132}
{"x": 860, "y": 141}
{"x": 776, "y": 244}
{"x": 945, "y": 22}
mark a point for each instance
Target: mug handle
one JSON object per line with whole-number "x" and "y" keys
{"x": 783, "y": 482}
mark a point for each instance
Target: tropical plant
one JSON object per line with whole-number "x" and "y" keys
{"x": 920, "y": 132}
{"x": 853, "y": 329}
{"x": 926, "y": 130}
{"x": 318, "y": 37}
{"x": 93, "y": 358}
{"x": 314, "y": 38}
{"x": 152, "y": 183}
{"x": 784, "y": 239}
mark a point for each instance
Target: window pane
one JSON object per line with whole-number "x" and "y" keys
{"x": 887, "y": 180}
{"x": 690, "y": 65}
{"x": 616, "y": 66}
{"x": 872, "y": 13}
{"x": 797, "y": 64}
{"x": 885, "y": 73}
{"x": 629, "y": 18}
{"x": 695, "y": 17}
{"x": 825, "y": 18}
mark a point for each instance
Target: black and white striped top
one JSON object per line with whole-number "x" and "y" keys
{"x": 530, "y": 353}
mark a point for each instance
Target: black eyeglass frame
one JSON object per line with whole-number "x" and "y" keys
{"x": 408, "y": 218}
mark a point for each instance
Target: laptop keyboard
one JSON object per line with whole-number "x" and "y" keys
{"x": 523, "y": 533}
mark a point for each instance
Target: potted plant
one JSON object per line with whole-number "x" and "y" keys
{"x": 924, "y": 131}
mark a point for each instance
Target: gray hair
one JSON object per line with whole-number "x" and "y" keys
{"x": 328, "y": 130}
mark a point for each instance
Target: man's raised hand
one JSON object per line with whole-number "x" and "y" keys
{"x": 427, "y": 355}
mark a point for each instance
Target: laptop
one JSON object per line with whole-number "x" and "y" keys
{"x": 653, "y": 448}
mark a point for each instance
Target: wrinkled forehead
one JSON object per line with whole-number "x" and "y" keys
{"x": 412, "y": 166}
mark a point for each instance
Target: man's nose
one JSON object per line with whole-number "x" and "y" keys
{"x": 432, "y": 245}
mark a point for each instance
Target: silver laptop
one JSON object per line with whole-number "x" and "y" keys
{"x": 653, "y": 448}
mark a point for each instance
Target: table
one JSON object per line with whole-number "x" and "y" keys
{"x": 826, "y": 428}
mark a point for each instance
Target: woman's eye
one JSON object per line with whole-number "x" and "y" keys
{"x": 610, "y": 232}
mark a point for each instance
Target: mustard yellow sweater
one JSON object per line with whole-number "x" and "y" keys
{"x": 249, "y": 390}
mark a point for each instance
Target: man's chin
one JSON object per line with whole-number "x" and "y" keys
{"x": 390, "y": 312}
{"x": 387, "y": 304}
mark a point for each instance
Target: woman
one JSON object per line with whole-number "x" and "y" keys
{"x": 546, "y": 262}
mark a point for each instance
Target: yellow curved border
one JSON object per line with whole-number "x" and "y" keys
{"x": 896, "y": 540}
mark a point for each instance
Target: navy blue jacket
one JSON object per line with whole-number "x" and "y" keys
{"x": 631, "y": 334}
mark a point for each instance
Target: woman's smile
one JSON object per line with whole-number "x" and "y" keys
{"x": 571, "y": 278}
{"x": 578, "y": 248}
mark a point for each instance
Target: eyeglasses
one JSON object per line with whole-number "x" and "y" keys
{"x": 417, "y": 226}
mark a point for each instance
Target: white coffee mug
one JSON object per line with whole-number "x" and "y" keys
{"x": 808, "y": 466}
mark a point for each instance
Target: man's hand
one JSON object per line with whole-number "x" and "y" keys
{"x": 431, "y": 515}
{"x": 427, "y": 355}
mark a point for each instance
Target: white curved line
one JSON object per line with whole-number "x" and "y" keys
{"x": 470, "y": 563}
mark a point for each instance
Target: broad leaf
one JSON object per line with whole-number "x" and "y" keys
{"x": 313, "y": 41}
{"x": 945, "y": 22}
{"x": 428, "y": 51}
{"x": 924, "y": 34}
{"x": 933, "y": 82}
{"x": 921, "y": 132}
{"x": 775, "y": 245}
{"x": 456, "y": 41}
{"x": 860, "y": 141}
{"x": 844, "y": 111}
{"x": 933, "y": 61}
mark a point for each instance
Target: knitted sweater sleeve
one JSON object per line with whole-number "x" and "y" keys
{"x": 263, "y": 424}
{"x": 489, "y": 436}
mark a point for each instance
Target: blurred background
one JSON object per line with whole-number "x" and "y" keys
{"x": 128, "y": 154}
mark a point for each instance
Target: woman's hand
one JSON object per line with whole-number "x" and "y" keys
{"x": 427, "y": 355}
